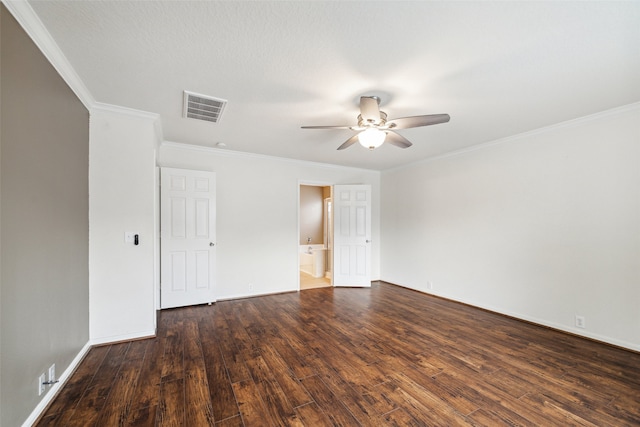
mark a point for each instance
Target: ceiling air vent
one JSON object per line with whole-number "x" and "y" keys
{"x": 203, "y": 107}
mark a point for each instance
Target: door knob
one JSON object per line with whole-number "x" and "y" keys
{"x": 368, "y": 241}
{"x": 211, "y": 244}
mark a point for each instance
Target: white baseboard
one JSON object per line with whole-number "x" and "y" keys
{"x": 53, "y": 391}
{"x": 243, "y": 296}
{"x": 126, "y": 337}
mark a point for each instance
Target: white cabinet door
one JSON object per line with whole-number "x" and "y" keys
{"x": 352, "y": 235}
{"x": 187, "y": 237}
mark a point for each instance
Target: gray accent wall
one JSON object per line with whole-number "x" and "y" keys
{"x": 44, "y": 222}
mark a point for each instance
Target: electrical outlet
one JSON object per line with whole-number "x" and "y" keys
{"x": 429, "y": 285}
{"x": 41, "y": 384}
{"x": 580, "y": 322}
{"x": 52, "y": 374}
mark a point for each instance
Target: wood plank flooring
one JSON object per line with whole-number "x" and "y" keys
{"x": 384, "y": 356}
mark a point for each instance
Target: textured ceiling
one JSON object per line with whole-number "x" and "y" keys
{"x": 498, "y": 68}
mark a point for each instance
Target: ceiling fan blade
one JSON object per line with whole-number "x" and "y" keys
{"x": 397, "y": 140}
{"x": 325, "y": 127}
{"x": 349, "y": 142}
{"x": 417, "y": 121}
{"x": 369, "y": 109}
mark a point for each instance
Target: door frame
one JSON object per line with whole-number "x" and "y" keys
{"x": 312, "y": 184}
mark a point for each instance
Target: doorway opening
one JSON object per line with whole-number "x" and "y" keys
{"x": 315, "y": 252}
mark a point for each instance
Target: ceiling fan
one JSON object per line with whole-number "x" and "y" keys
{"x": 374, "y": 129}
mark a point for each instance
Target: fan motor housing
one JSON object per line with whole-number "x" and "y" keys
{"x": 364, "y": 123}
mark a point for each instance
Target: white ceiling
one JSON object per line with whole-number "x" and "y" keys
{"x": 498, "y": 68}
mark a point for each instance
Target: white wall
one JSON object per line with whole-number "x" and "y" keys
{"x": 122, "y": 190}
{"x": 257, "y": 214}
{"x": 544, "y": 227}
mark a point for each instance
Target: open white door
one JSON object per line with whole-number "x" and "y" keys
{"x": 187, "y": 237}
{"x": 352, "y": 235}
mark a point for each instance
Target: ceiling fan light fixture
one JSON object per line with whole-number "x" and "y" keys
{"x": 372, "y": 128}
{"x": 371, "y": 138}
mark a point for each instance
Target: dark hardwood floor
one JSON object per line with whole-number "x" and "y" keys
{"x": 350, "y": 357}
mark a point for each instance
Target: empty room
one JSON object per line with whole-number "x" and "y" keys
{"x": 357, "y": 213}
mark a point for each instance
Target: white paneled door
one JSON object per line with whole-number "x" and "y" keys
{"x": 187, "y": 237}
{"x": 352, "y": 235}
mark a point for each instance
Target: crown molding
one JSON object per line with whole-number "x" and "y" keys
{"x": 513, "y": 138}
{"x": 245, "y": 155}
{"x": 117, "y": 109}
{"x": 35, "y": 29}
{"x": 33, "y": 26}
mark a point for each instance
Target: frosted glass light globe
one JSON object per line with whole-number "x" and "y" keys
{"x": 371, "y": 138}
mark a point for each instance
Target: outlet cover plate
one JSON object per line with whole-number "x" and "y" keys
{"x": 52, "y": 373}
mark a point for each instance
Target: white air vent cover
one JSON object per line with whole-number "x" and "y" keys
{"x": 203, "y": 107}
